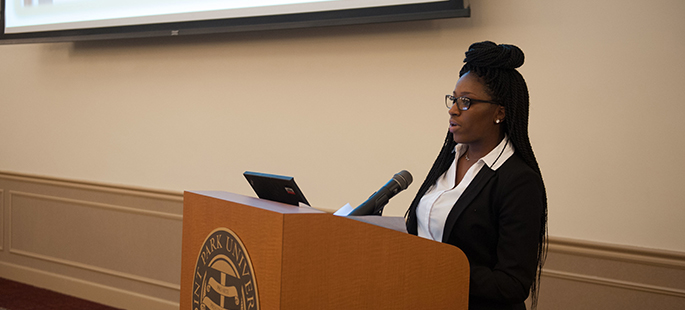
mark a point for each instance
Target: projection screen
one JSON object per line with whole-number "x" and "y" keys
{"x": 60, "y": 20}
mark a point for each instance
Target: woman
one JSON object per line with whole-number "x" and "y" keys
{"x": 484, "y": 193}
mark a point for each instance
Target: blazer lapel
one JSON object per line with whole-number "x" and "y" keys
{"x": 465, "y": 199}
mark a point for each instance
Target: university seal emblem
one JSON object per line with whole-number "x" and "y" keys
{"x": 224, "y": 278}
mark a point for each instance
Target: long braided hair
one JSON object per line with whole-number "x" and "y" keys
{"x": 496, "y": 65}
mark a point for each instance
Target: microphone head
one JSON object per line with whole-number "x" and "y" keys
{"x": 403, "y": 178}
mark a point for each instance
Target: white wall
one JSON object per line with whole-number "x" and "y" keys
{"x": 344, "y": 108}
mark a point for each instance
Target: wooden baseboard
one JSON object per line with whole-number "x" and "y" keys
{"x": 83, "y": 289}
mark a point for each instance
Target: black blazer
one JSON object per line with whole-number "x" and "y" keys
{"x": 497, "y": 223}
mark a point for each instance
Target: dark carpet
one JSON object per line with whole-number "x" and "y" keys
{"x": 19, "y": 296}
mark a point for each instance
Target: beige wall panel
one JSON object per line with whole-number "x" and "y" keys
{"x": 111, "y": 244}
{"x": 96, "y": 236}
{"x": 670, "y": 278}
{"x": 586, "y": 275}
{"x": 567, "y": 294}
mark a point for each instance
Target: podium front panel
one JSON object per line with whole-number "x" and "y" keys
{"x": 302, "y": 258}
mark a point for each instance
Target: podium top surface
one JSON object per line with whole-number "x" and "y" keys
{"x": 258, "y": 203}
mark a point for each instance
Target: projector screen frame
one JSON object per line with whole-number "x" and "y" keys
{"x": 395, "y": 13}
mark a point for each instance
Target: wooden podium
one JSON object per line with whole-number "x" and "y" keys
{"x": 302, "y": 258}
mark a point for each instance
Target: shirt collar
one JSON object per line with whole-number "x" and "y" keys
{"x": 496, "y": 157}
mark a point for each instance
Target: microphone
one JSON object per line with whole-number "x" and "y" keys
{"x": 374, "y": 205}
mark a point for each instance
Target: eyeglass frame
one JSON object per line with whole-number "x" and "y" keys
{"x": 451, "y": 101}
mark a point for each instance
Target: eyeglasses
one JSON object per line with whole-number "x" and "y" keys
{"x": 463, "y": 103}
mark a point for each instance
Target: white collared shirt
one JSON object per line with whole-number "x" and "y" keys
{"x": 436, "y": 204}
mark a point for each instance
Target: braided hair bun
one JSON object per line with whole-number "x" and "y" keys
{"x": 490, "y": 55}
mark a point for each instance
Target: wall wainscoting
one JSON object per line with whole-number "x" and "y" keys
{"x": 121, "y": 246}
{"x": 590, "y": 275}
{"x": 115, "y": 245}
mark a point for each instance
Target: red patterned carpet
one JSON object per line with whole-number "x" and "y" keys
{"x": 18, "y": 296}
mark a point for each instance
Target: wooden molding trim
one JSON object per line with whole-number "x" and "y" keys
{"x": 88, "y": 185}
{"x": 614, "y": 283}
{"x": 633, "y": 254}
